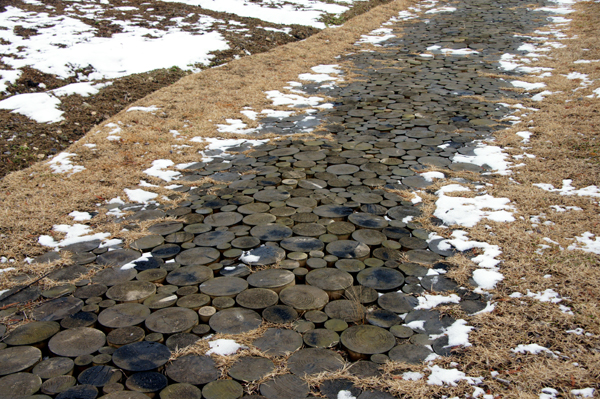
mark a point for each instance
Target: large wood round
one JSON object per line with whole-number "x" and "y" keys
{"x": 124, "y": 395}
{"x": 99, "y": 376}
{"x": 380, "y": 278}
{"x": 285, "y": 386}
{"x": 193, "y": 369}
{"x": 409, "y": 353}
{"x": 278, "y": 342}
{"x": 304, "y": 297}
{"x": 348, "y": 249}
{"x": 368, "y": 221}
{"x": 80, "y": 319}
{"x": 123, "y": 315}
{"x": 321, "y": 338}
{"x": 13, "y": 360}
{"x": 19, "y": 385}
{"x": 235, "y": 321}
{"x": 181, "y": 391}
{"x": 124, "y": 336}
{"x": 131, "y": 291}
{"x": 333, "y": 211}
{"x": 77, "y": 342}
{"x": 165, "y": 228}
{"x": 271, "y": 232}
{"x": 257, "y": 298}
{"x": 272, "y": 279}
{"x": 212, "y": 239}
{"x": 397, "y": 302}
{"x": 172, "y": 320}
{"x": 350, "y": 311}
{"x": 251, "y": 368}
{"x": 302, "y": 244}
{"x": 146, "y": 382}
{"x": 141, "y": 356}
{"x": 32, "y": 333}
{"x": 367, "y": 340}
{"x": 223, "y": 286}
{"x": 223, "y": 219}
{"x": 91, "y": 290}
{"x": 223, "y": 389}
{"x": 160, "y": 300}
{"x": 190, "y": 275}
{"x": 333, "y": 281}
{"x": 114, "y": 275}
{"x": 57, "y": 309}
{"x": 263, "y": 255}
{"x": 280, "y": 314}
{"x": 314, "y": 360}
{"x": 58, "y": 384}
{"x": 53, "y": 367}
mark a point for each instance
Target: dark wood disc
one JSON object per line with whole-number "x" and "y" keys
{"x": 257, "y": 298}
{"x": 348, "y": 310}
{"x": 235, "y": 321}
{"x": 309, "y": 229}
{"x": 190, "y": 275}
{"x": 125, "y": 336}
{"x": 386, "y": 254}
{"x": 181, "y": 340}
{"x": 53, "y": 367}
{"x": 160, "y": 301}
{"x": 146, "y": 382}
{"x": 350, "y": 265}
{"x": 20, "y": 385}
{"x": 118, "y": 258}
{"x": 383, "y": 318}
{"x": 197, "y": 228}
{"x": 32, "y": 333}
{"x": 304, "y": 297}
{"x": 397, "y": 302}
{"x": 13, "y": 360}
{"x": 166, "y": 251}
{"x": 148, "y": 242}
{"x": 251, "y": 368}
{"x": 193, "y": 369}
{"x": 272, "y": 279}
{"x": 198, "y": 256}
{"x": 77, "y": 341}
{"x": 367, "y": 340}
{"x": 181, "y": 391}
{"x": 380, "y": 278}
{"x": 252, "y": 208}
{"x": 99, "y": 376}
{"x": 321, "y": 338}
{"x": 222, "y": 219}
{"x": 333, "y": 211}
{"x": 223, "y": 286}
{"x": 285, "y": 386}
{"x": 423, "y": 257}
{"x": 314, "y": 360}
{"x": 348, "y": 249}
{"x": 59, "y": 290}
{"x": 271, "y": 195}
{"x": 172, "y": 320}
{"x": 112, "y": 276}
{"x": 330, "y": 280}
{"x": 90, "y": 290}
{"x": 263, "y": 255}
{"x": 259, "y": 219}
{"x": 124, "y": 395}
{"x": 131, "y": 291}
{"x": 280, "y": 314}
{"x": 368, "y": 220}
{"x": 79, "y": 319}
{"x": 340, "y": 229}
{"x": 245, "y": 242}
{"x": 141, "y": 356}
{"x": 165, "y": 228}
{"x": 409, "y": 353}
{"x": 278, "y": 342}
{"x": 193, "y": 301}
{"x": 57, "y": 309}
{"x": 123, "y": 315}
{"x": 369, "y": 237}
{"x": 271, "y": 232}
{"x": 302, "y": 244}
{"x": 223, "y": 389}
{"x": 152, "y": 275}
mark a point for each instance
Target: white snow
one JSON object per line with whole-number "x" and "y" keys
{"x": 429, "y": 176}
{"x": 139, "y": 195}
{"x": 486, "y": 155}
{"x": 80, "y": 216}
{"x": 292, "y": 100}
{"x": 584, "y": 393}
{"x": 343, "y": 394}
{"x": 235, "y": 126}
{"x": 412, "y": 376}
{"x": 568, "y": 189}
{"x": 158, "y": 169}
{"x": 151, "y": 108}
{"x": 532, "y": 348}
{"x": 451, "y": 51}
{"x": 223, "y": 347}
{"x": 62, "y": 164}
{"x": 546, "y": 296}
{"x": 440, "y": 376}
{"x": 525, "y": 135}
{"x": 74, "y": 234}
{"x": 527, "y": 85}
{"x": 585, "y": 243}
{"x": 487, "y": 279}
{"x": 249, "y": 259}
{"x": 41, "y": 107}
{"x": 431, "y": 301}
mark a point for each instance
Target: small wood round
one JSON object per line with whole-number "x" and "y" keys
{"x": 401, "y": 331}
{"x": 32, "y": 333}
{"x": 193, "y": 369}
{"x": 13, "y": 360}
{"x": 321, "y": 338}
{"x": 302, "y": 244}
{"x": 380, "y": 278}
{"x": 423, "y": 257}
{"x": 99, "y": 376}
{"x": 20, "y": 385}
{"x": 152, "y": 275}
{"x": 223, "y": 286}
{"x": 397, "y": 302}
{"x": 257, "y": 298}
{"x": 333, "y": 281}
{"x": 213, "y": 238}
{"x": 125, "y": 336}
{"x": 112, "y": 276}
{"x": 245, "y": 242}
{"x": 350, "y": 265}
{"x": 166, "y": 251}
{"x": 348, "y": 310}
{"x": 271, "y": 232}
{"x": 337, "y": 325}
{"x": 197, "y": 256}
{"x": 80, "y": 319}
{"x": 172, "y": 320}
{"x": 387, "y": 254}
{"x": 285, "y": 386}
{"x": 58, "y": 384}
{"x": 314, "y": 360}
{"x": 181, "y": 391}
{"x": 53, "y": 367}
{"x": 348, "y": 249}
{"x": 77, "y": 341}
{"x": 123, "y": 315}
{"x": 235, "y": 321}
{"x": 367, "y": 340}
{"x": 222, "y": 219}
{"x": 263, "y": 255}
{"x": 223, "y": 389}
{"x": 251, "y": 368}
{"x": 146, "y": 382}
{"x": 190, "y": 275}
{"x": 193, "y": 301}
{"x": 341, "y": 229}
{"x": 304, "y": 297}
{"x": 278, "y": 342}
{"x": 59, "y": 290}
{"x": 57, "y": 309}
{"x": 272, "y": 279}
{"x": 223, "y": 302}
{"x": 141, "y": 356}
{"x": 280, "y": 314}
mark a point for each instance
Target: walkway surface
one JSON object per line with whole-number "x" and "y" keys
{"x": 317, "y": 242}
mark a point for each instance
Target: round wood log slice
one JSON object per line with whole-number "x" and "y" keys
{"x": 257, "y": 298}
{"x": 181, "y": 340}
{"x": 309, "y": 229}
{"x": 59, "y": 290}
{"x": 222, "y": 219}
{"x": 367, "y": 340}
{"x": 20, "y": 385}
{"x": 383, "y": 318}
{"x": 152, "y": 275}
{"x": 250, "y": 368}
{"x": 263, "y": 255}
{"x": 213, "y": 238}
{"x": 285, "y": 386}
{"x": 272, "y": 279}
{"x": 193, "y": 301}
{"x": 397, "y": 302}
{"x": 77, "y": 341}
{"x": 369, "y": 237}
{"x": 438, "y": 284}
{"x": 333, "y": 211}
{"x": 99, "y": 376}
{"x": 314, "y": 360}
{"x": 79, "y": 392}
{"x": 235, "y": 321}
{"x": 350, "y": 265}
{"x": 114, "y": 275}
{"x": 409, "y": 353}
{"x": 32, "y": 333}
{"x": 361, "y": 294}
{"x": 131, "y": 291}
{"x": 280, "y": 314}
{"x": 321, "y": 338}
{"x": 13, "y": 360}
{"x": 278, "y": 342}
{"x": 223, "y": 389}
{"x": 271, "y": 195}
{"x": 368, "y": 220}
{"x": 259, "y": 219}
{"x": 141, "y": 356}
{"x": 193, "y": 369}
{"x": 333, "y": 281}
{"x": 181, "y": 391}
{"x": 125, "y": 395}
{"x": 53, "y": 367}
{"x": 380, "y": 278}
{"x": 190, "y": 275}
{"x": 252, "y": 208}
{"x": 146, "y": 382}
{"x": 423, "y": 257}
{"x": 348, "y": 310}
{"x": 223, "y": 286}
{"x": 57, "y": 309}
{"x": 245, "y": 242}
{"x": 302, "y": 244}
{"x": 165, "y": 228}
{"x": 79, "y": 319}
{"x": 172, "y": 320}
{"x": 125, "y": 336}
{"x": 148, "y": 242}
{"x": 123, "y": 315}
{"x": 165, "y": 251}
{"x": 341, "y": 229}
{"x": 89, "y": 291}
{"x": 197, "y": 256}
{"x": 271, "y": 232}
{"x": 160, "y": 300}
{"x": 118, "y": 257}
{"x": 304, "y": 297}
{"x": 348, "y": 249}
